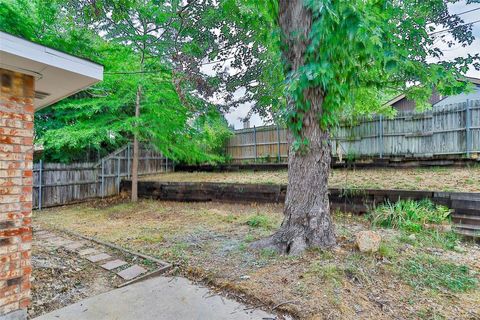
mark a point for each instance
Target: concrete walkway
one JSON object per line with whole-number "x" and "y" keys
{"x": 160, "y": 298}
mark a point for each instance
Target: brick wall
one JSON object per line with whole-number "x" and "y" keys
{"x": 16, "y": 154}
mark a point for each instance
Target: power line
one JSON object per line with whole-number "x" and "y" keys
{"x": 461, "y": 25}
{"x": 468, "y": 11}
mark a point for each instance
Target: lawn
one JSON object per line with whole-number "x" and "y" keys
{"x": 424, "y": 275}
{"x": 436, "y": 179}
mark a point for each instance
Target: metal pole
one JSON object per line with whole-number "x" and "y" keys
{"x": 103, "y": 178}
{"x": 380, "y": 129}
{"x": 128, "y": 160}
{"x": 255, "y": 142}
{"x": 278, "y": 144}
{"x": 40, "y": 178}
{"x": 118, "y": 175}
{"x": 468, "y": 132}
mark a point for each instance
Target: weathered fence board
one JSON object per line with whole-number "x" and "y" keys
{"x": 58, "y": 184}
{"x": 451, "y": 130}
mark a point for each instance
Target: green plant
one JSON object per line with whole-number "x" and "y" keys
{"x": 249, "y": 238}
{"x": 409, "y": 215}
{"x": 429, "y": 272}
{"x": 259, "y": 221}
{"x": 350, "y": 157}
{"x": 265, "y": 159}
{"x": 387, "y": 250}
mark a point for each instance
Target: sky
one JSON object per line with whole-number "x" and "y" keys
{"x": 235, "y": 116}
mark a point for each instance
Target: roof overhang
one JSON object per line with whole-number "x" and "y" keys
{"x": 57, "y": 74}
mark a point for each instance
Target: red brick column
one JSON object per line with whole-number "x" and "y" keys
{"x": 16, "y": 155}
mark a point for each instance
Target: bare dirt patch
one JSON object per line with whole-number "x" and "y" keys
{"x": 62, "y": 277}
{"x": 209, "y": 242}
{"x": 435, "y": 179}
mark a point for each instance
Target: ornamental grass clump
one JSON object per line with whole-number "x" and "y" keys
{"x": 409, "y": 215}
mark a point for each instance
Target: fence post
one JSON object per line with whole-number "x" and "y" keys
{"x": 166, "y": 164}
{"x": 103, "y": 178}
{"x": 40, "y": 178}
{"x": 255, "y": 142}
{"x": 118, "y": 174}
{"x": 468, "y": 131}
{"x": 380, "y": 130}
{"x": 128, "y": 160}
{"x": 278, "y": 144}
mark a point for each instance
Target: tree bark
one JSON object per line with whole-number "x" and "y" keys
{"x": 307, "y": 221}
{"x": 135, "y": 149}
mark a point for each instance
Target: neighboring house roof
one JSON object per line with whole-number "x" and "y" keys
{"x": 398, "y": 98}
{"x": 57, "y": 74}
{"x": 395, "y": 100}
{"x": 474, "y": 80}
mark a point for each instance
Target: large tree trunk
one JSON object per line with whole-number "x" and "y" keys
{"x": 135, "y": 149}
{"x": 307, "y": 221}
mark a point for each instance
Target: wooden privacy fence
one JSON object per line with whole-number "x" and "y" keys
{"x": 451, "y": 130}
{"x": 58, "y": 184}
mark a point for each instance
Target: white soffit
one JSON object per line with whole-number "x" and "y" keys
{"x": 57, "y": 74}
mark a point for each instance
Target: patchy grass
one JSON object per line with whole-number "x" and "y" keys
{"x": 431, "y": 238}
{"x": 326, "y": 273}
{"x": 426, "y": 271}
{"x": 210, "y": 242}
{"x": 436, "y": 178}
{"x": 260, "y": 221}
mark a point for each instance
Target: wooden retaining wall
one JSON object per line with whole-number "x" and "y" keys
{"x": 465, "y": 206}
{"x": 447, "y": 131}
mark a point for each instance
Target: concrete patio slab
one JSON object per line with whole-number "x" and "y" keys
{"x": 161, "y": 298}
{"x": 132, "y": 272}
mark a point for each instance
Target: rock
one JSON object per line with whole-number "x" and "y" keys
{"x": 244, "y": 277}
{"x": 459, "y": 249}
{"x": 368, "y": 241}
{"x": 358, "y": 308}
{"x": 412, "y": 237}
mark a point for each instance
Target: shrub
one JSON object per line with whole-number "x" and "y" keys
{"x": 409, "y": 215}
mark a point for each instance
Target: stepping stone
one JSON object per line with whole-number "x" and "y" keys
{"x": 44, "y": 235}
{"x": 55, "y": 242}
{"x": 99, "y": 257}
{"x": 74, "y": 246}
{"x": 131, "y": 272}
{"x": 113, "y": 264}
{"x": 59, "y": 241}
{"x": 87, "y": 251}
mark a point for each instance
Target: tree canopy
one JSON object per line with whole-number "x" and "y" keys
{"x": 102, "y": 118}
{"x": 359, "y": 51}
